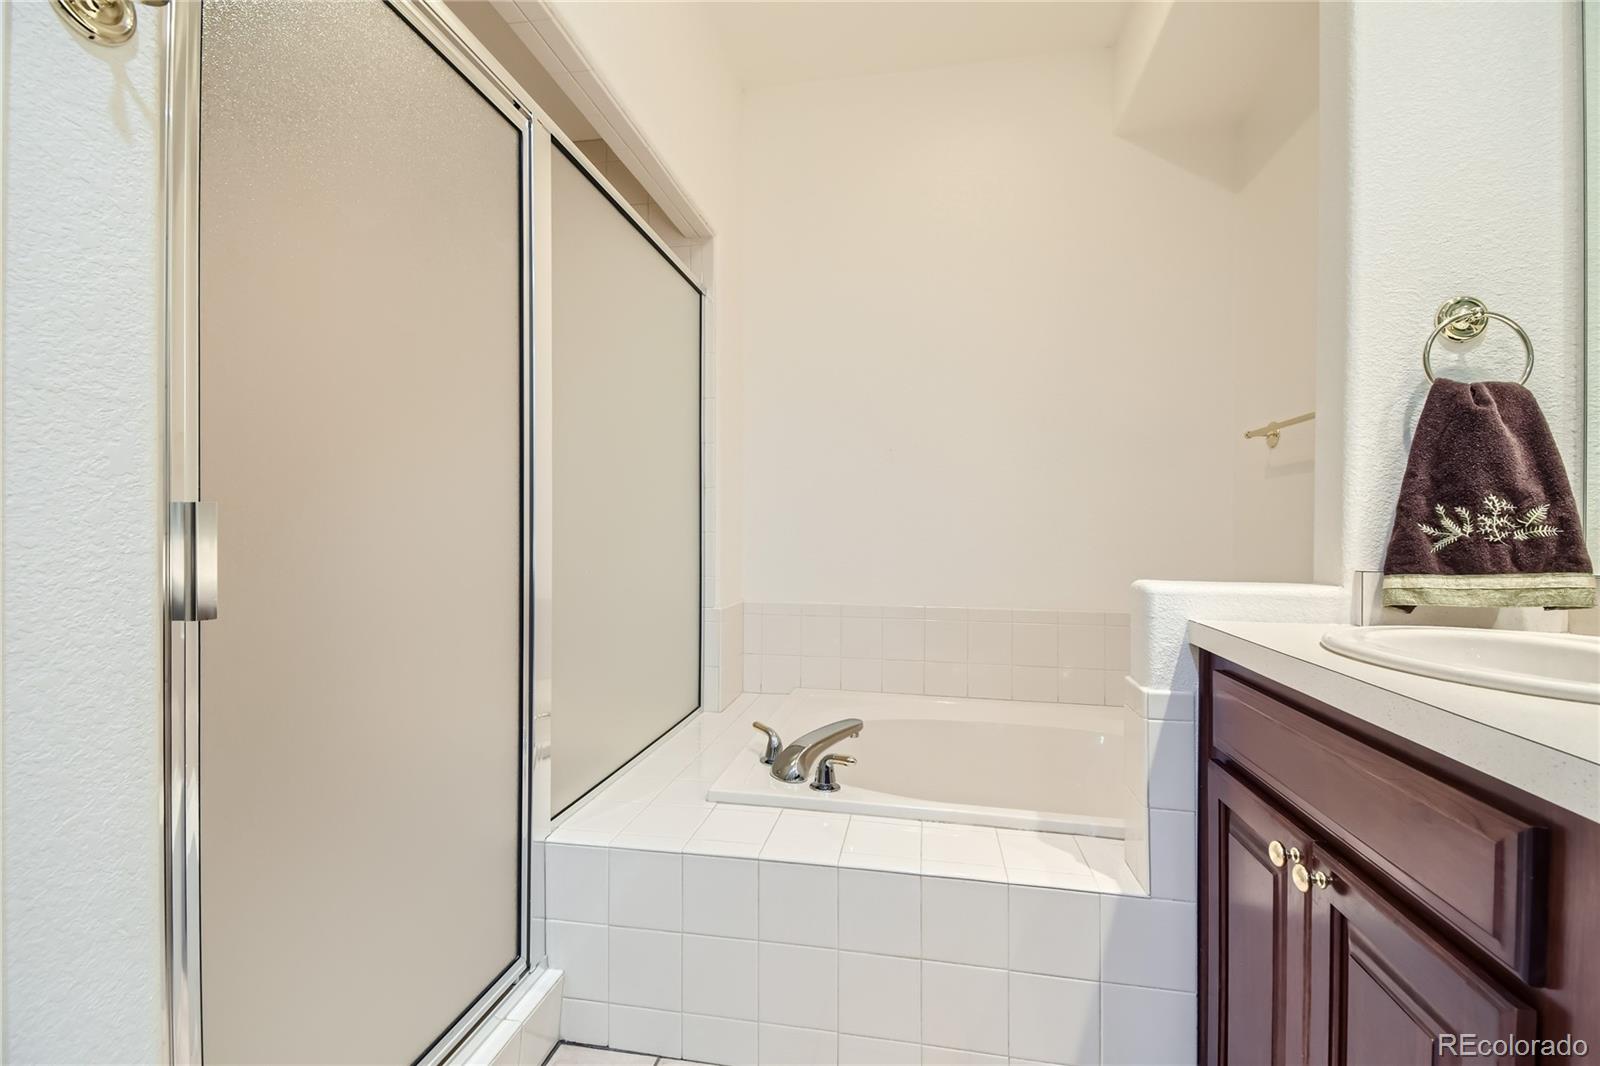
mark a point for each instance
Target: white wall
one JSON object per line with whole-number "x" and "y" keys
{"x": 82, "y": 717}
{"x": 1274, "y": 314}
{"x": 1416, "y": 215}
{"x": 989, "y": 346}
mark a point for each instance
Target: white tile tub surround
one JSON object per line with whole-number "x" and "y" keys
{"x": 1072, "y": 754}
{"x": 1160, "y": 764}
{"x": 795, "y": 936}
{"x": 1047, "y": 656}
{"x": 1161, "y": 707}
{"x": 722, "y": 646}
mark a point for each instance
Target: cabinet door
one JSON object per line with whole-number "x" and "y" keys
{"x": 1256, "y": 929}
{"x": 1385, "y": 989}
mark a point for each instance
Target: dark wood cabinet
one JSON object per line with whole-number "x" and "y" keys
{"x": 1477, "y": 864}
{"x": 1258, "y": 929}
{"x": 1366, "y": 903}
{"x": 1383, "y": 988}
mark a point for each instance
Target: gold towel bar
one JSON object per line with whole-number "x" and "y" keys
{"x": 1272, "y": 429}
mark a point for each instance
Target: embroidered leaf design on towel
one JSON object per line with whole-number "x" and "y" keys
{"x": 1496, "y": 518}
{"x": 1495, "y": 521}
{"x": 1452, "y": 530}
{"x": 1534, "y": 524}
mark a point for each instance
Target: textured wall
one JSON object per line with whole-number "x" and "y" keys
{"x": 1162, "y": 610}
{"x": 82, "y": 762}
{"x": 1424, "y": 211}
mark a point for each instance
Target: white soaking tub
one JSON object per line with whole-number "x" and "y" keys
{"x": 1009, "y": 763}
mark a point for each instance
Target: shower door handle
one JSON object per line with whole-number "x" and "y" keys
{"x": 191, "y": 561}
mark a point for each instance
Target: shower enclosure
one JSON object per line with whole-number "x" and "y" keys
{"x": 627, "y": 577}
{"x": 383, "y": 265}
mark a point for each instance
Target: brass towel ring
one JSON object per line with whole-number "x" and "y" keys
{"x": 1466, "y": 317}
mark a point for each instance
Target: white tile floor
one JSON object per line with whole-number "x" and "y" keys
{"x": 659, "y": 805}
{"x": 580, "y": 1055}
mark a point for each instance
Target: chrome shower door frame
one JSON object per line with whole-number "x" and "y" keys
{"x": 179, "y": 386}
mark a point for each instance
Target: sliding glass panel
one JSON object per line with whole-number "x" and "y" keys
{"x": 627, "y": 488}
{"x": 362, "y": 313}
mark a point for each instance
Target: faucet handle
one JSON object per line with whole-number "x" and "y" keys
{"x": 826, "y": 781}
{"x": 774, "y": 742}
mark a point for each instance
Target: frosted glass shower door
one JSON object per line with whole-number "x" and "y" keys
{"x": 626, "y": 355}
{"x": 362, "y": 314}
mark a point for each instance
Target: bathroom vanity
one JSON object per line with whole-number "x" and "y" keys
{"x": 1383, "y": 865}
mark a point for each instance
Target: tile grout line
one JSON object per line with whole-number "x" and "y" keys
{"x": 759, "y": 953}
{"x": 1007, "y": 897}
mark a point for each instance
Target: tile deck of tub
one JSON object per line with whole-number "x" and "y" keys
{"x": 659, "y": 804}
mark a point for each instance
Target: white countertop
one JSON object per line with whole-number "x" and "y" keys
{"x": 1546, "y": 747}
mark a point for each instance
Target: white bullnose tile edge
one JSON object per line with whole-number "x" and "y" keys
{"x": 522, "y": 1029}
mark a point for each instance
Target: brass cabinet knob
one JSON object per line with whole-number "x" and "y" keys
{"x": 1305, "y": 880}
{"x": 1280, "y": 854}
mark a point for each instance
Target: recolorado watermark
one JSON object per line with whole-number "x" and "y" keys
{"x": 1471, "y": 1046}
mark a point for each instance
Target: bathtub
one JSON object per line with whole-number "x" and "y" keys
{"x": 1007, "y": 763}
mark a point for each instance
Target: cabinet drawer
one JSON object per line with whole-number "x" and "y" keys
{"x": 1479, "y": 869}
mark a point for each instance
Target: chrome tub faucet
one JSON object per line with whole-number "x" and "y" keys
{"x": 774, "y": 742}
{"x": 826, "y": 780}
{"x": 793, "y": 762}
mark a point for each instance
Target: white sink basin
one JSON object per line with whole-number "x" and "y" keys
{"x": 1561, "y": 665}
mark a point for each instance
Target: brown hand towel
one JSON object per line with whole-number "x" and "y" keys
{"x": 1486, "y": 516}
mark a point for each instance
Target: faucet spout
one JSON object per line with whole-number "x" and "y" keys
{"x": 794, "y": 762}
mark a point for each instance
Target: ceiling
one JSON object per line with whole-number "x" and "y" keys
{"x": 1219, "y": 86}
{"x": 773, "y": 43}
{"x": 1215, "y": 60}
